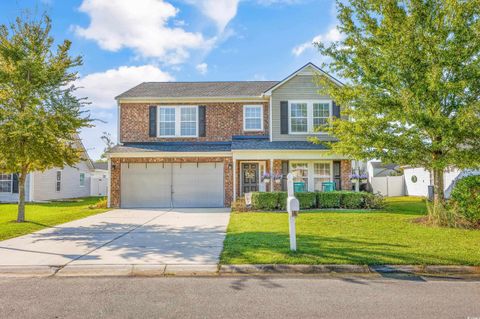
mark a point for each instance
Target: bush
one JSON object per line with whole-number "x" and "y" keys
{"x": 264, "y": 200}
{"x": 307, "y": 200}
{"x": 374, "y": 201}
{"x": 351, "y": 200}
{"x": 465, "y": 199}
{"x": 282, "y": 200}
{"x": 329, "y": 199}
{"x": 239, "y": 205}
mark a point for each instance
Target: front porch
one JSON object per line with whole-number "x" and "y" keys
{"x": 250, "y": 173}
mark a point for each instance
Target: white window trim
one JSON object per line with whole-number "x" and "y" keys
{"x": 11, "y": 184}
{"x": 310, "y": 129}
{"x": 311, "y": 171}
{"x": 84, "y": 178}
{"x": 245, "y": 107}
{"x": 178, "y": 120}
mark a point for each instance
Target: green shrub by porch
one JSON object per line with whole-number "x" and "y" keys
{"x": 307, "y": 200}
{"x": 465, "y": 198}
{"x": 337, "y": 199}
{"x": 329, "y": 199}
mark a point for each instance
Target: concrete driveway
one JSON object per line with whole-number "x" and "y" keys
{"x": 124, "y": 237}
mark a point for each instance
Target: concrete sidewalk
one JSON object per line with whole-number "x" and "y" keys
{"x": 119, "y": 239}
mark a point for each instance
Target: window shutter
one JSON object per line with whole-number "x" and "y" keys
{"x": 152, "y": 121}
{"x": 284, "y": 117}
{"x": 202, "y": 121}
{"x": 15, "y": 183}
{"x": 336, "y": 109}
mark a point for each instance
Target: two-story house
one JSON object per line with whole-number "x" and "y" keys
{"x": 202, "y": 144}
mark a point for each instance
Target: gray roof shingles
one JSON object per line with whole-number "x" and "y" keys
{"x": 236, "y": 144}
{"x": 198, "y": 89}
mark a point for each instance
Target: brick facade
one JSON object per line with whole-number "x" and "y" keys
{"x": 346, "y": 171}
{"x": 115, "y": 182}
{"x": 222, "y": 121}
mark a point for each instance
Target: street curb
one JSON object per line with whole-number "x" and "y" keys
{"x": 185, "y": 270}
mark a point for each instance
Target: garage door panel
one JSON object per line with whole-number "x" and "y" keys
{"x": 193, "y": 185}
{"x": 198, "y": 185}
{"x": 146, "y": 185}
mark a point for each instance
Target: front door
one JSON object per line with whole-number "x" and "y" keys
{"x": 249, "y": 177}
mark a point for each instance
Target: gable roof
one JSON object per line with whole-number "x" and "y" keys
{"x": 229, "y": 89}
{"x": 288, "y": 78}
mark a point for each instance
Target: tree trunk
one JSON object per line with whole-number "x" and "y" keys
{"x": 438, "y": 187}
{"x": 438, "y": 213}
{"x": 21, "y": 196}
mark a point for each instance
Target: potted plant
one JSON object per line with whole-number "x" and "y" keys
{"x": 266, "y": 177}
{"x": 354, "y": 177}
{"x": 363, "y": 178}
{"x": 277, "y": 177}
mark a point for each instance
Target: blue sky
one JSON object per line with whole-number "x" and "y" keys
{"x": 125, "y": 42}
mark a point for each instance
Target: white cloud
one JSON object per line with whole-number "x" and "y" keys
{"x": 142, "y": 25}
{"x": 220, "y": 11}
{"x": 202, "y": 68}
{"x": 331, "y": 35}
{"x": 102, "y": 87}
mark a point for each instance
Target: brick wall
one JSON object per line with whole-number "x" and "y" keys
{"x": 346, "y": 170}
{"x": 222, "y": 121}
{"x": 115, "y": 182}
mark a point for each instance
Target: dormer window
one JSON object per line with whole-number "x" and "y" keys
{"x": 178, "y": 121}
{"x": 253, "y": 117}
{"x": 306, "y": 117}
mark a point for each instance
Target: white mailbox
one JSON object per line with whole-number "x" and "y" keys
{"x": 293, "y": 206}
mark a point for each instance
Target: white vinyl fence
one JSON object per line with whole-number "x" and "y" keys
{"x": 388, "y": 185}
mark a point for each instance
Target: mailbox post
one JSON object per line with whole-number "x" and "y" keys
{"x": 293, "y": 206}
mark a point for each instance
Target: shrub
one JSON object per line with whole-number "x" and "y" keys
{"x": 329, "y": 199}
{"x": 374, "y": 201}
{"x": 307, "y": 200}
{"x": 264, "y": 200}
{"x": 102, "y": 203}
{"x": 351, "y": 200}
{"x": 465, "y": 199}
{"x": 282, "y": 200}
{"x": 239, "y": 205}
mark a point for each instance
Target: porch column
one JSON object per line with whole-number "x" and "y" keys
{"x": 234, "y": 179}
{"x": 271, "y": 176}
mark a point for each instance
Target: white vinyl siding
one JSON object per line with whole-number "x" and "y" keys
{"x": 178, "y": 121}
{"x": 314, "y": 173}
{"x": 299, "y": 88}
{"x": 82, "y": 179}
{"x": 253, "y": 117}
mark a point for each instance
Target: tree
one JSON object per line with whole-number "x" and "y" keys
{"x": 412, "y": 95}
{"x": 107, "y": 140}
{"x": 40, "y": 116}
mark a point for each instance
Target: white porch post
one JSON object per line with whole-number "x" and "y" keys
{"x": 271, "y": 175}
{"x": 109, "y": 181}
{"x": 234, "y": 179}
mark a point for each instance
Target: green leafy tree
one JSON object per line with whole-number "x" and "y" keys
{"x": 412, "y": 91}
{"x": 39, "y": 113}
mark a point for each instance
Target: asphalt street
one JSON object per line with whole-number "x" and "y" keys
{"x": 240, "y": 297}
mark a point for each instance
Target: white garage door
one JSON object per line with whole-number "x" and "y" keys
{"x": 172, "y": 185}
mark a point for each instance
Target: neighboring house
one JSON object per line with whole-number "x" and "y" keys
{"x": 203, "y": 144}
{"x": 99, "y": 179}
{"x": 417, "y": 180}
{"x": 56, "y": 183}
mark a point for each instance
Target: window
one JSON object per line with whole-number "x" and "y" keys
{"x": 167, "y": 121}
{"x": 188, "y": 121}
{"x": 178, "y": 121}
{"x": 5, "y": 183}
{"x": 58, "y": 185}
{"x": 253, "y": 117}
{"x": 322, "y": 173}
{"x": 321, "y": 113}
{"x": 308, "y": 116}
{"x": 82, "y": 179}
{"x": 298, "y": 118}
{"x": 300, "y": 172}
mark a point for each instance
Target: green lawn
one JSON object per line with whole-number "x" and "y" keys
{"x": 349, "y": 237}
{"x": 39, "y": 216}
